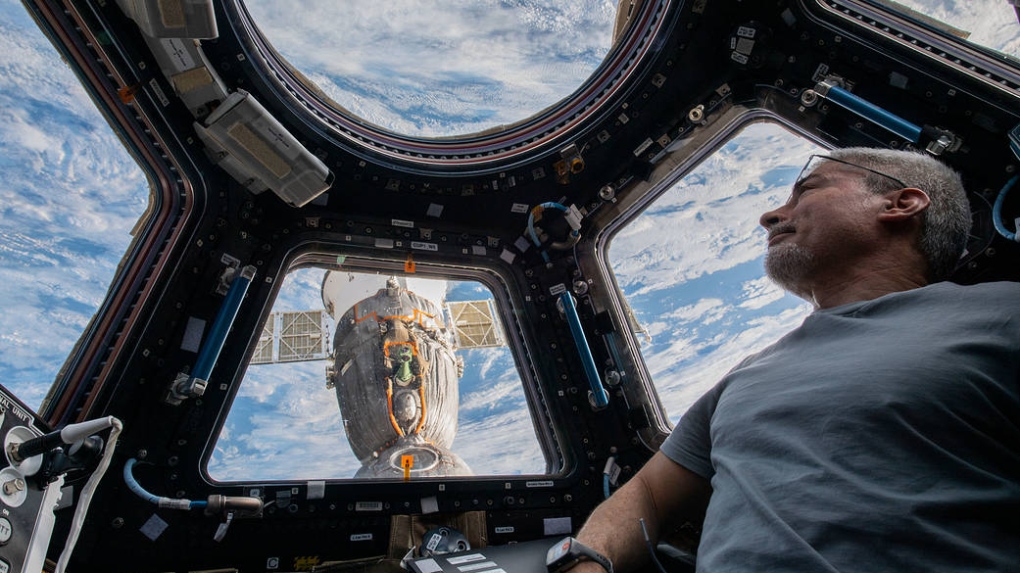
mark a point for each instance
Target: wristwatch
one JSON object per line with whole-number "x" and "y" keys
{"x": 569, "y": 552}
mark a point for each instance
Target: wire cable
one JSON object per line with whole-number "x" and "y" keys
{"x": 165, "y": 502}
{"x": 997, "y": 209}
{"x": 651, "y": 548}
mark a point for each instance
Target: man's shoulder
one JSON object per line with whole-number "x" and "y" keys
{"x": 978, "y": 292}
{"x": 990, "y": 285}
{"x": 946, "y": 302}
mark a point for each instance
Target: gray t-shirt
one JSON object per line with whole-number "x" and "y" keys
{"x": 881, "y": 435}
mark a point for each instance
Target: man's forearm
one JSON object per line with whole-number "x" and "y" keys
{"x": 662, "y": 491}
{"x": 614, "y": 528}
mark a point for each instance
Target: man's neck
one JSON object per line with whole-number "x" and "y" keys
{"x": 865, "y": 285}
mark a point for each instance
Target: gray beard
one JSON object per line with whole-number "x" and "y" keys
{"x": 786, "y": 265}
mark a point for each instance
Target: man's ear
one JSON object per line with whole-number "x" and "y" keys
{"x": 903, "y": 204}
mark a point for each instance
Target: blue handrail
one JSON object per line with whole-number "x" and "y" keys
{"x": 870, "y": 111}
{"x": 599, "y": 395}
{"x": 210, "y": 351}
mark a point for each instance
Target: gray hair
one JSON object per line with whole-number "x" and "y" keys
{"x": 946, "y": 222}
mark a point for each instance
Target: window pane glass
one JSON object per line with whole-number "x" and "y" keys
{"x": 397, "y": 361}
{"x": 989, "y": 23}
{"x": 690, "y": 265}
{"x": 69, "y": 197}
{"x": 433, "y": 69}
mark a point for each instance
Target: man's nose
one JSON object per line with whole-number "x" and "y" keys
{"x": 769, "y": 218}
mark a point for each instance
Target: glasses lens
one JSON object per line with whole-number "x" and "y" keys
{"x": 813, "y": 162}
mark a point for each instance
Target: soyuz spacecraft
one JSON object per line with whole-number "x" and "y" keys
{"x": 395, "y": 374}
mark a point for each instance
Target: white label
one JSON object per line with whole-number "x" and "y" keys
{"x": 154, "y": 527}
{"x": 643, "y": 147}
{"x": 820, "y": 73}
{"x": 465, "y": 559}
{"x": 179, "y": 55}
{"x": 507, "y": 529}
{"x": 507, "y": 256}
{"x": 614, "y": 474}
{"x": 434, "y": 541}
{"x": 424, "y": 246}
{"x": 368, "y": 506}
{"x": 539, "y": 483}
{"x": 745, "y": 32}
{"x": 557, "y": 526}
{"x": 154, "y": 85}
{"x": 192, "y": 339}
{"x": 316, "y": 489}
{"x": 402, "y": 223}
{"x": 519, "y": 208}
{"x": 477, "y": 566}
{"x": 361, "y": 537}
{"x": 8, "y": 405}
{"x": 428, "y": 566}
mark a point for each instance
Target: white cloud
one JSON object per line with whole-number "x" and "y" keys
{"x": 440, "y": 68}
{"x": 708, "y": 222}
{"x": 760, "y": 292}
{"x": 681, "y": 388}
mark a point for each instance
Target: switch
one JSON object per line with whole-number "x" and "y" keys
{"x": 5, "y": 532}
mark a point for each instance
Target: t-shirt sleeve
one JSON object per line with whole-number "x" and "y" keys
{"x": 690, "y": 442}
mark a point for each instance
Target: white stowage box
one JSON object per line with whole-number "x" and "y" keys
{"x": 255, "y": 148}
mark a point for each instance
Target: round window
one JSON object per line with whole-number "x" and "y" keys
{"x": 434, "y": 69}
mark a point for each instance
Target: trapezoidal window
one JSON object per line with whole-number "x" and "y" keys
{"x": 439, "y": 69}
{"x": 690, "y": 266}
{"x": 357, "y": 375}
{"x": 70, "y": 197}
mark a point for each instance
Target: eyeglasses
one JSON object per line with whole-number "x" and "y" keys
{"x": 815, "y": 160}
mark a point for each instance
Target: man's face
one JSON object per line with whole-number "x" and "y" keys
{"x": 827, "y": 222}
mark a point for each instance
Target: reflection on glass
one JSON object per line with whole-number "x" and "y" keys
{"x": 691, "y": 268}
{"x": 415, "y": 380}
{"x": 989, "y": 23}
{"x": 435, "y": 69}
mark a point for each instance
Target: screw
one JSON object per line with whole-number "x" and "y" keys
{"x": 14, "y": 486}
